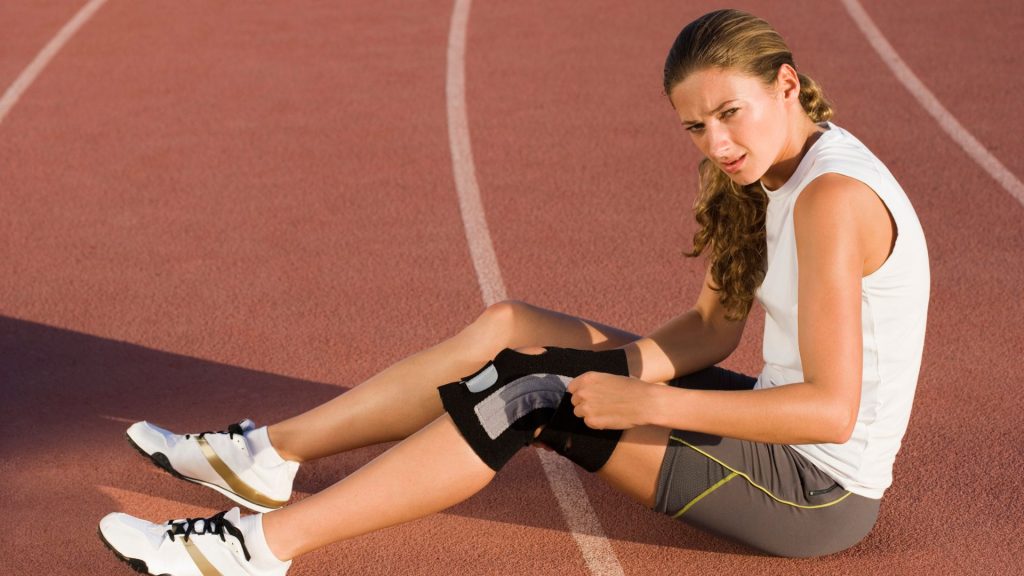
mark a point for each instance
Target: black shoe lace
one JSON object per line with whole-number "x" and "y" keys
{"x": 233, "y": 429}
{"x": 215, "y": 525}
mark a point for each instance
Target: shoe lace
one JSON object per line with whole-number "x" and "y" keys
{"x": 233, "y": 429}
{"x": 215, "y": 525}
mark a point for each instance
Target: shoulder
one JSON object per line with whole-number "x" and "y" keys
{"x": 833, "y": 191}
{"x": 840, "y": 152}
{"x": 832, "y": 195}
{"x": 833, "y": 207}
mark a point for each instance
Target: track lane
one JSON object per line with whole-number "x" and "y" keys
{"x": 969, "y": 55}
{"x": 255, "y": 188}
{"x": 574, "y": 147}
{"x": 25, "y": 79}
{"x": 927, "y": 100}
{"x": 576, "y": 509}
{"x": 25, "y": 27}
{"x": 164, "y": 157}
{"x": 582, "y": 157}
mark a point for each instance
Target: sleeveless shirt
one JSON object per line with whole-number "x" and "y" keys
{"x": 894, "y": 308}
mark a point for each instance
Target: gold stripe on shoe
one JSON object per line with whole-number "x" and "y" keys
{"x": 238, "y": 486}
{"x": 205, "y": 568}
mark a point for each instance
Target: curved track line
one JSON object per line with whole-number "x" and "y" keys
{"x": 931, "y": 104}
{"x": 488, "y": 273}
{"x": 29, "y": 74}
{"x": 576, "y": 508}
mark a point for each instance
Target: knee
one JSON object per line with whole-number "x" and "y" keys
{"x": 497, "y": 323}
{"x": 502, "y": 314}
{"x": 497, "y": 326}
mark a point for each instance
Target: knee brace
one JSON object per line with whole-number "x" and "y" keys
{"x": 567, "y": 434}
{"x": 498, "y": 408}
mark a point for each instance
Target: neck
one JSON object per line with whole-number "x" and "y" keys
{"x": 803, "y": 135}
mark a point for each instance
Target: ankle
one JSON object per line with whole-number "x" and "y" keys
{"x": 261, "y": 554}
{"x": 281, "y": 540}
{"x": 271, "y": 443}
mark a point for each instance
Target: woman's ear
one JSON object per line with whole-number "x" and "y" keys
{"x": 787, "y": 82}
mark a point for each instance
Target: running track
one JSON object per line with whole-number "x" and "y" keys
{"x": 218, "y": 210}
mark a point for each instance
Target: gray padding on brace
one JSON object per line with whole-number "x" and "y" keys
{"x": 484, "y": 380}
{"x": 518, "y": 398}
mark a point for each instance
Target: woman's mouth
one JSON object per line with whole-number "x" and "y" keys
{"x": 735, "y": 166}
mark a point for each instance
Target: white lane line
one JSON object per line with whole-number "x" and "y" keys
{"x": 580, "y": 516}
{"x": 931, "y": 104}
{"x": 566, "y": 485}
{"x": 29, "y": 74}
{"x": 480, "y": 248}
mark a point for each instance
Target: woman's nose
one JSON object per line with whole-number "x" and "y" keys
{"x": 719, "y": 143}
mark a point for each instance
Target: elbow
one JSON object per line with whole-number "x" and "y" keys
{"x": 837, "y": 408}
{"x": 841, "y": 435}
{"x": 839, "y": 428}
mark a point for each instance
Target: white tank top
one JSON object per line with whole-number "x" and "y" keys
{"x": 894, "y": 308}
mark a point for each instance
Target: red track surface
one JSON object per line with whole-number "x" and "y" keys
{"x": 217, "y": 211}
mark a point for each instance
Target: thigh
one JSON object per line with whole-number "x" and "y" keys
{"x": 766, "y": 496}
{"x": 635, "y": 465}
{"x": 530, "y": 325}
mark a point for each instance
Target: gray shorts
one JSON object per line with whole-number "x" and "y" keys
{"x": 764, "y": 495}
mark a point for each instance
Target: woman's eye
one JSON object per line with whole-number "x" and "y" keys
{"x": 729, "y": 112}
{"x": 695, "y": 128}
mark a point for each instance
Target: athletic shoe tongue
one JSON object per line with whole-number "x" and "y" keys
{"x": 156, "y": 534}
{"x": 233, "y": 516}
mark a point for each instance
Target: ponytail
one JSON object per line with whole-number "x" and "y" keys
{"x": 812, "y": 98}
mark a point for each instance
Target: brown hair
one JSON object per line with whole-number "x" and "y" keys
{"x": 730, "y": 216}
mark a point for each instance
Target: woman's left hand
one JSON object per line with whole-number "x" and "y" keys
{"x": 607, "y": 401}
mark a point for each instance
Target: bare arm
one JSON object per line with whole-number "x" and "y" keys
{"x": 696, "y": 339}
{"x": 832, "y": 246}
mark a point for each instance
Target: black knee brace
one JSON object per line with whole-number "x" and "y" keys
{"x": 567, "y": 434}
{"x": 498, "y": 408}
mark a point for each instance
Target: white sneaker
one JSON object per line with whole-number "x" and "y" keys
{"x": 188, "y": 547}
{"x": 239, "y": 463}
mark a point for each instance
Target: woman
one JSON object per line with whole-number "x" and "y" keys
{"x": 793, "y": 462}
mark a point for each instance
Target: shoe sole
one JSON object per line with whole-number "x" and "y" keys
{"x": 163, "y": 463}
{"x": 136, "y": 564}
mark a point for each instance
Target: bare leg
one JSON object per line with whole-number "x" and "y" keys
{"x": 634, "y": 465}
{"x": 431, "y": 470}
{"x": 389, "y": 406}
{"x": 403, "y": 398}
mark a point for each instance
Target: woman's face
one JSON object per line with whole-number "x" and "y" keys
{"x": 734, "y": 119}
